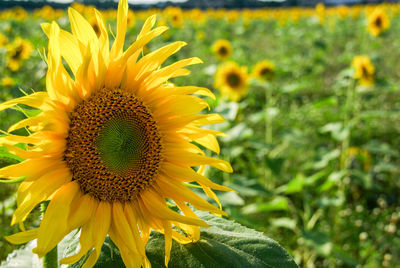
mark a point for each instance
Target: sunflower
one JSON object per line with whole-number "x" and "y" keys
{"x": 320, "y": 10}
{"x": 378, "y": 22}
{"x": 7, "y": 81}
{"x": 264, "y": 70}
{"x": 3, "y": 40}
{"x": 175, "y": 16}
{"x": 18, "y": 51}
{"x": 363, "y": 70}
{"x": 222, "y": 49}
{"x": 342, "y": 11}
{"x": 231, "y": 80}
{"x": 112, "y": 144}
{"x": 95, "y": 25}
{"x": 363, "y": 155}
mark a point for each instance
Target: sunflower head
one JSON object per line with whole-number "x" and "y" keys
{"x": 19, "y": 13}
{"x": 175, "y": 16}
{"x": 198, "y": 16}
{"x": 113, "y": 143}
{"x": 231, "y": 79}
{"x": 46, "y": 12}
{"x": 7, "y": 82}
{"x": 3, "y": 40}
{"x": 362, "y": 155}
{"x": 222, "y": 49}
{"x": 363, "y": 70}
{"x": 18, "y": 51}
{"x": 264, "y": 70}
{"x": 378, "y": 22}
{"x": 200, "y": 35}
{"x": 343, "y": 11}
{"x": 320, "y": 10}
{"x": 95, "y": 25}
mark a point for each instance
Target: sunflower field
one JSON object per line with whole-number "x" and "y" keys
{"x": 311, "y": 102}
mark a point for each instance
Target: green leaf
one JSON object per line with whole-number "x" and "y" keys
{"x": 6, "y": 158}
{"x": 224, "y": 244}
{"x": 284, "y": 223}
{"x": 334, "y": 154}
{"x": 294, "y": 186}
{"x": 319, "y": 241}
{"x": 277, "y": 203}
{"x": 332, "y": 180}
{"x": 337, "y": 130}
{"x": 28, "y": 112}
{"x": 275, "y": 164}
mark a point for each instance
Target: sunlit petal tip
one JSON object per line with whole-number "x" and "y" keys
{"x": 22, "y": 237}
{"x": 196, "y": 60}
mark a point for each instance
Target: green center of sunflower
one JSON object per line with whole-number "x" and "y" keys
{"x": 114, "y": 148}
{"x": 120, "y": 144}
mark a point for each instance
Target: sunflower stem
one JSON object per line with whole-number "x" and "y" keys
{"x": 50, "y": 260}
{"x": 268, "y": 117}
{"x": 349, "y": 110}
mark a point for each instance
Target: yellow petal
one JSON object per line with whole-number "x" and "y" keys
{"x": 82, "y": 29}
{"x": 210, "y": 142}
{"x": 36, "y": 100}
{"x": 193, "y": 231}
{"x": 54, "y": 225}
{"x": 102, "y": 220}
{"x": 130, "y": 258}
{"x": 188, "y": 174}
{"x": 82, "y": 211}
{"x": 123, "y": 229}
{"x": 22, "y": 237}
{"x": 190, "y": 159}
{"x": 122, "y": 16}
{"x": 192, "y": 90}
{"x": 148, "y": 24}
{"x": 168, "y": 241}
{"x": 85, "y": 241}
{"x": 36, "y": 168}
{"x": 159, "y": 209}
{"x": 69, "y": 47}
{"x": 162, "y": 75}
{"x": 178, "y": 191}
{"x": 39, "y": 191}
{"x": 180, "y": 105}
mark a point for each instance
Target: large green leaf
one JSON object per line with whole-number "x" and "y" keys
{"x": 224, "y": 244}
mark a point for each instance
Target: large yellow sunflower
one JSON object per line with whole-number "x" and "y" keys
{"x": 112, "y": 144}
{"x": 232, "y": 79}
{"x": 378, "y": 22}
